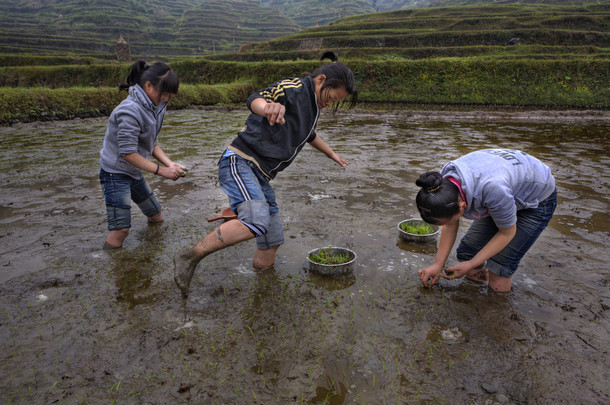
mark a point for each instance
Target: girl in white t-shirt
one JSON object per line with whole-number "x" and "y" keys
{"x": 511, "y": 197}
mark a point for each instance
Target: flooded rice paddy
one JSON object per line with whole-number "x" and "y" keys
{"x": 79, "y": 325}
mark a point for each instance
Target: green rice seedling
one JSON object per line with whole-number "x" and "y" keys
{"x": 420, "y": 229}
{"x": 325, "y": 256}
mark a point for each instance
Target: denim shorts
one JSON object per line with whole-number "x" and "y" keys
{"x": 242, "y": 181}
{"x": 119, "y": 190}
{"x": 530, "y": 224}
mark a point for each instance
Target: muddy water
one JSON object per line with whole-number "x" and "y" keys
{"x": 81, "y": 325}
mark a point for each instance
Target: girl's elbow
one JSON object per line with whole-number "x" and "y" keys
{"x": 510, "y": 233}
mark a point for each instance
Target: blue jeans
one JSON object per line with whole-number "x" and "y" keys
{"x": 119, "y": 190}
{"x": 252, "y": 198}
{"x": 530, "y": 224}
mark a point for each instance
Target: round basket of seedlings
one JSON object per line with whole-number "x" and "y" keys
{"x": 416, "y": 230}
{"x": 331, "y": 261}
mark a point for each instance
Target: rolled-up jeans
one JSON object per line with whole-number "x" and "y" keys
{"x": 119, "y": 190}
{"x": 530, "y": 224}
{"x": 242, "y": 181}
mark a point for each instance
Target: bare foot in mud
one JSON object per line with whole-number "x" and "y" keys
{"x": 479, "y": 276}
{"x": 264, "y": 258}
{"x": 185, "y": 264}
{"x": 155, "y": 219}
{"x": 108, "y": 246}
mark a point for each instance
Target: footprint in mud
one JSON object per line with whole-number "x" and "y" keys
{"x": 447, "y": 335}
{"x": 452, "y": 335}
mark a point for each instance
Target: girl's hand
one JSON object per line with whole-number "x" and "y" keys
{"x": 180, "y": 168}
{"x": 430, "y": 275}
{"x": 170, "y": 172}
{"x": 459, "y": 270}
{"x": 274, "y": 112}
{"x": 339, "y": 160}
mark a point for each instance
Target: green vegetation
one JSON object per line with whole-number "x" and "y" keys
{"x": 328, "y": 256}
{"x": 42, "y": 104}
{"x": 542, "y": 30}
{"x": 153, "y": 28}
{"x": 455, "y": 56}
{"x": 310, "y": 13}
{"x": 455, "y": 81}
{"x": 417, "y": 229}
{"x": 184, "y": 28}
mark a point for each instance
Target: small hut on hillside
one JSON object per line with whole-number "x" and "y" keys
{"x": 123, "y": 53}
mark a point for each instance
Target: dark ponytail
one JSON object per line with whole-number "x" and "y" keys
{"x": 158, "y": 74}
{"x": 437, "y": 199}
{"x": 337, "y": 75}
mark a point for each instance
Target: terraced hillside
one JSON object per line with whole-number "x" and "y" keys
{"x": 311, "y": 13}
{"x": 152, "y": 27}
{"x": 542, "y": 31}
{"x": 450, "y": 56}
{"x": 176, "y": 28}
{"x": 230, "y": 24}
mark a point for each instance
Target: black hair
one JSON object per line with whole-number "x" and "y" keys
{"x": 437, "y": 199}
{"x": 337, "y": 76}
{"x": 158, "y": 74}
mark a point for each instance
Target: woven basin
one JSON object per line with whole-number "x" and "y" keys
{"x": 412, "y": 237}
{"x": 332, "y": 269}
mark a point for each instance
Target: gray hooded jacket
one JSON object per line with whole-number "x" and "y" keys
{"x": 133, "y": 126}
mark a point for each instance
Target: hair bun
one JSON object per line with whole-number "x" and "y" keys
{"x": 330, "y": 55}
{"x": 429, "y": 181}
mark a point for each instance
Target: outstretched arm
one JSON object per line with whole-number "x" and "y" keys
{"x": 323, "y": 147}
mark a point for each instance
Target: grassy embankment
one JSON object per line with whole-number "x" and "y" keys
{"x": 447, "y": 56}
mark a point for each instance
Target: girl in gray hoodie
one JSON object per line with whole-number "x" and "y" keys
{"x": 131, "y": 140}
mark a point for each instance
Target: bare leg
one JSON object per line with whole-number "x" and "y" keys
{"x": 499, "y": 284}
{"x": 155, "y": 218}
{"x": 479, "y": 275}
{"x": 264, "y": 258}
{"x": 115, "y": 239}
{"x": 186, "y": 260}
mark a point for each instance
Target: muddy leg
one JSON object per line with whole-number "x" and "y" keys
{"x": 186, "y": 260}
{"x": 499, "y": 284}
{"x": 155, "y": 219}
{"x": 115, "y": 239}
{"x": 264, "y": 258}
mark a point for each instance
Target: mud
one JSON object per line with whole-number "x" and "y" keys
{"x": 82, "y": 325}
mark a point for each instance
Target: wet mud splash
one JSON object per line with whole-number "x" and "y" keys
{"x": 82, "y": 325}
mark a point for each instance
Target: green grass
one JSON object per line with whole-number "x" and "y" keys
{"x": 51, "y": 93}
{"x": 44, "y": 104}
